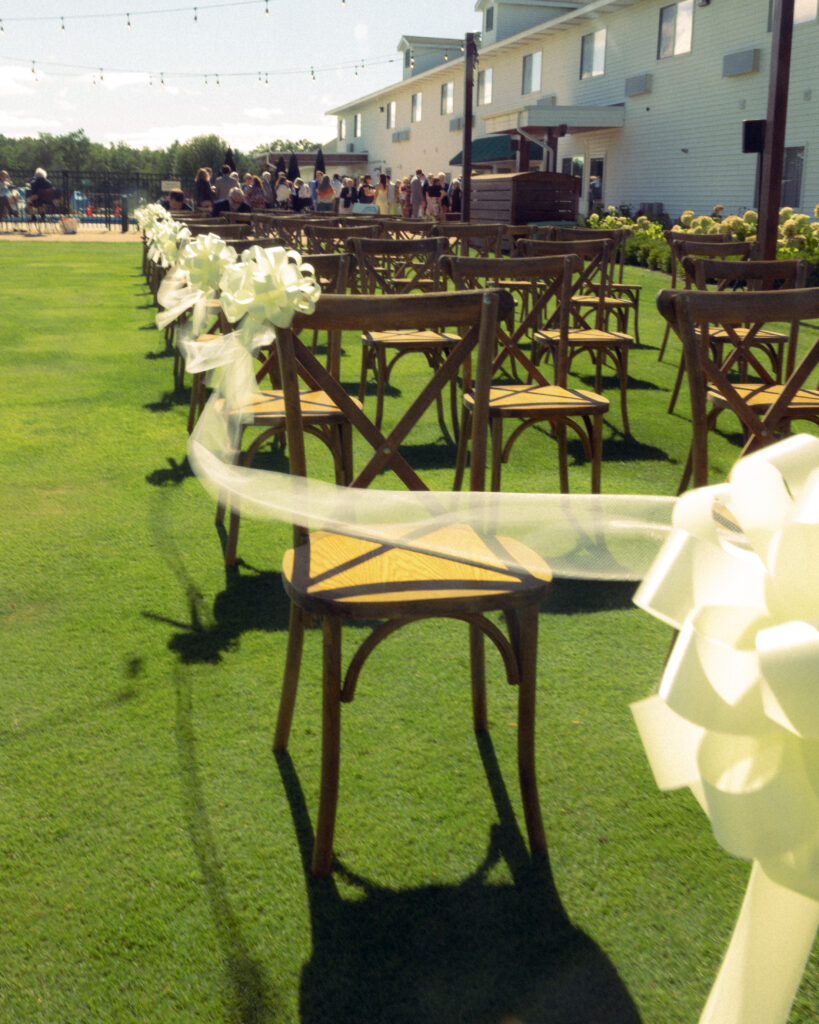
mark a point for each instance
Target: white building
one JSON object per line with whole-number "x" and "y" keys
{"x": 642, "y": 98}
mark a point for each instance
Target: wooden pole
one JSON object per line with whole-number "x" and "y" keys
{"x": 773, "y": 154}
{"x": 470, "y": 55}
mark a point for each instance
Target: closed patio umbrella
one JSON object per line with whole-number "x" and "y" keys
{"x": 320, "y": 161}
{"x": 293, "y": 168}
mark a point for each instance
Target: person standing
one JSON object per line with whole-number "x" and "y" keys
{"x": 223, "y": 184}
{"x": 382, "y": 195}
{"x": 325, "y": 195}
{"x": 417, "y": 199}
{"x": 203, "y": 191}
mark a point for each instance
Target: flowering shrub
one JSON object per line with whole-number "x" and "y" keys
{"x": 798, "y": 235}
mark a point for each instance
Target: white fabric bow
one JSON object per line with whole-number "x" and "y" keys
{"x": 736, "y": 717}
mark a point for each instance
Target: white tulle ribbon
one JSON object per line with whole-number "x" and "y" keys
{"x": 193, "y": 280}
{"x": 736, "y": 717}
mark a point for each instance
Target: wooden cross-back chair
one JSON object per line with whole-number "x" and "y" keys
{"x": 406, "y": 228}
{"x": 398, "y": 267}
{"x": 321, "y": 417}
{"x": 622, "y": 298}
{"x": 468, "y": 238}
{"x": 765, "y": 408}
{"x": 224, "y": 229}
{"x": 757, "y": 275}
{"x": 341, "y": 578}
{"x": 717, "y": 247}
{"x": 711, "y": 246}
{"x": 600, "y": 344}
{"x": 539, "y": 401}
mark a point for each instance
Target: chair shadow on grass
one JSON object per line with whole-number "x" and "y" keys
{"x": 476, "y": 952}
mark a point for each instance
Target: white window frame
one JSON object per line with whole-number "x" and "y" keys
{"x": 390, "y": 108}
{"x": 342, "y": 128}
{"x": 448, "y": 98}
{"x": 593, "y": 54}
{"x": 416, "y": 107}
{"x": 680, "y": 18}
{"x": 484, "y": 92}
{"x": 531, "y": 72}
{"x": 356, "y": 126}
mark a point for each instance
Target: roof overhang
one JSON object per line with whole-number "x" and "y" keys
{"x": 539, "y": 119}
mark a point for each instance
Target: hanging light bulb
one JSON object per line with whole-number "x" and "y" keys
{"x": 1, "y": 26}
{"x": 195, "y": 14}
{"x": 446, "y": 55}
{"x": 101, "y": 75}
{"x": 128, "y": 22}
{"x": 62, "y": 24}
{"x": 312, "y": 74}
{"x": 265, "y": 79}
{"x": 267, "y": 8}
{"x": 206, "y": 79}
{"x": 218, "y": 83}
{"x": 162, "y": 78}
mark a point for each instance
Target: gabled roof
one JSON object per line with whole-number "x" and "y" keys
{"x": 428, "y": 42}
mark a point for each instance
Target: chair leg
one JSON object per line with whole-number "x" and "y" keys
{"x": 496, "y": 436}
{"x": 478, "y": 665}
{"x": 292, "y": 668}
{"x": 463, "y": 447}
{"x": 527, "y": 655}
{"x": 597, "y": 452}
{"x": 677, "y": 384}
{"x": 330, "y": 747}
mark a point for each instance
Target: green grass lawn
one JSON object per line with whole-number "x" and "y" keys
{"x": 152, "y": 848}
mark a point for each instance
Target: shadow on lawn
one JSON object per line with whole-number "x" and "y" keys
{"x": 253, "y": 999}
{"x": 475, "y": 952}
{"x": 256, "y": 602}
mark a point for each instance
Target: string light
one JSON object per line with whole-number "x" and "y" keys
{"x": 218, "y": 83}
{"x": 195, "y": 14}
{"x": 206, "y": 80}
{"x": 312, "y": 74}
{"x": 162, "y": 78}
{"x": 128, "y": 26}
{"x": 62, "y": 24}
{"x": 266, "y": 9}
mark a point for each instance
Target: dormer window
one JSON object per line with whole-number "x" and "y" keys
{"x": 489, "y": 19}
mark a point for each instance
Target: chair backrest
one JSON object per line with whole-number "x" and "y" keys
{"x": 754, "y": 275}
{"x": 597, "y": 255}
{"x": 482, "y": 239}
{"x": 396, "y": 266}
{"x": 475, "y": 313}
{"x": 617, "y": 236}
{"x": 217, "y": 227}
{"x": 332, "y": 237}
{"x": 693, "y": 314}
{"x": 406, "y": 227}
{"x": 551, "y": 284}
{"x": 718, "y": 247}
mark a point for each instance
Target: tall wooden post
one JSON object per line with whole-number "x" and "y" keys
{"x": 470, "y": 57}
{"x": 773, "y": 154}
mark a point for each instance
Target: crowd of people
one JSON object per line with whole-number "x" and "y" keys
{"x": 421, "y": 196}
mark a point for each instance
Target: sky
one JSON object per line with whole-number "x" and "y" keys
{"x": 248, "y": 70}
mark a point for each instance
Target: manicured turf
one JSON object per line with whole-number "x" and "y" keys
{"x": 151, "y": 846}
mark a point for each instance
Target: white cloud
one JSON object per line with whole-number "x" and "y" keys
{"x": 17, "y": 81}
{"x": 361, "y": 31}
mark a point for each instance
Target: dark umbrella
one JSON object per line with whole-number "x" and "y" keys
{"x": 281, "y": 166}
{"x": 229, "y": 159}
{"x": 293, "y": 168}
{"x": 320, "y": 161}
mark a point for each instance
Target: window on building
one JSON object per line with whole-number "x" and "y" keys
{"x": 593, "y": 54}
{"x": 342, "y": 128}
{"x": 531, "y": 72}
{"x": 676, "y": 22}
{"x": 415, "y": 107}
{"x": 447, "y": 97}
{"x": 391, "y": 114}
{"x": 792, "y": 162}
{"x": 489, "y": 19}
{"x": 572, "y": 165}
{"x": 357, "y": 126}
{"x": 407, "y": 58}
{"x": 484, "y": 87}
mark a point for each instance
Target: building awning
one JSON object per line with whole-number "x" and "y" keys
{"x": 539, "y": 118}
{"x": 494, "y": 149}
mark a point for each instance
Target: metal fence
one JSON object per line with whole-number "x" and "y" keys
{"x": 83, "y": 201}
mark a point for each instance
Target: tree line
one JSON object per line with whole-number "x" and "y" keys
{"x": 76, "y": 153}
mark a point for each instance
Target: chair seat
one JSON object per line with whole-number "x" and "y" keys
{"x": 586, "y": 336}
{"x": 762, "y": 396}
{"x": 267, "y": 408}
{"x": 364, "y": 579}
{"x": 516, "y": 400}
{"x": 412, "y": 341}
